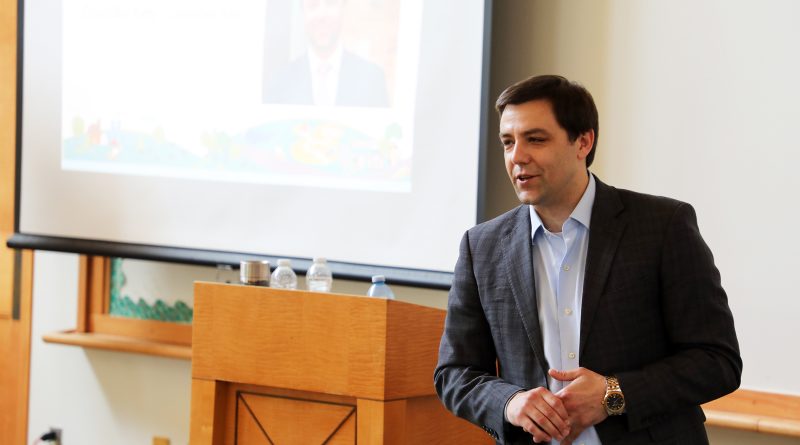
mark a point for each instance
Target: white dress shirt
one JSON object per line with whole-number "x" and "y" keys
{"x": 559, "y": 265}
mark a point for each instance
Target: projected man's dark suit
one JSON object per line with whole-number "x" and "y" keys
{"x": 361, "y": 84}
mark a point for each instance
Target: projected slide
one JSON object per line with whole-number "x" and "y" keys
{"x": 311, "y": 93}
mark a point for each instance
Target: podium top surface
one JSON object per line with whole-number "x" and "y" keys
{"x": 339, "y": 344}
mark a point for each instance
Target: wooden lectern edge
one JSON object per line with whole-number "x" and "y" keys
{"x": 398, "y": 322}
{"x": 322, "y": 294}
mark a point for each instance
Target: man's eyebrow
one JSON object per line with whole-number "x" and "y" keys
{"x": 529, "y": 132}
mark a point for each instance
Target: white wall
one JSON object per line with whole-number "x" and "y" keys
{"x": 97, "y": 397}
{"x": 697, "y": 101}
{"x": 708, "y": 114}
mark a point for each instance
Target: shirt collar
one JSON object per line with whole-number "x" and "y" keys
{"x": 582, "y": 212}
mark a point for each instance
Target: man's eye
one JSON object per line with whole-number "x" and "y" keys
{"x": 534, "y": 140}
{"x": 507, "y": 143}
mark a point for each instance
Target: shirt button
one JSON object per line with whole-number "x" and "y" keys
{"x": 566, "y": 268}
{"x": 571, "y": 355}
{"x": 567, "y": 311}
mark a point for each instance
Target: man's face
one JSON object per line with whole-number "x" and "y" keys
{"x": 323, "y": 21}
{"x": 543, "y": 165}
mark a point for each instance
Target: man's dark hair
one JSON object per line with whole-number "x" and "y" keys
{"x": 572, "y": 104}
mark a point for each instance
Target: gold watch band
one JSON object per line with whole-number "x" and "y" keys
{"x": 614, "y": 400}
{"x": 612, "y": 384}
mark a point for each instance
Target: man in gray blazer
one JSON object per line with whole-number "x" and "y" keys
{"x": 589, "y": 314}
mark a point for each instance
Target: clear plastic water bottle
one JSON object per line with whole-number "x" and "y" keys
{"x": 379, "y": 288}
{"x": 319, "y": 277}
{"x": 283, "y": 277}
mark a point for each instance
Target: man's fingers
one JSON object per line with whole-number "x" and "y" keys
{"x": 547, "y": 420}
{"x": 572, "y": 436}
{"x": 552, "y": 421}
{"x": 539, "y": 412}
{"x": 534, "y": 430}
{"x": 559, "y": 420}
{"x": 564, "y": 376}
{"x": 557, "y": 405}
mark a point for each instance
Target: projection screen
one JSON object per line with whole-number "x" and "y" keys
{"x": 208, "y": 131}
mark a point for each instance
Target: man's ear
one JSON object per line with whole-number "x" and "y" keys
{"x": 584, "y": 142}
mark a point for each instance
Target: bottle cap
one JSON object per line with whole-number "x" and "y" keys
{"x": 284, "y": 262}
{"x": 253, "y": 271}
{"x": 378, "y": 278}
{"x": 320, "y": 259}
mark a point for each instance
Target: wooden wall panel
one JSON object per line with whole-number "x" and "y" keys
{"x": 15, "y": 334}
{"x": 8, "y": 79}
{"x": 6, "y": 278}
{"x": 15, "y": 347}
{"x": 8, "y": 99}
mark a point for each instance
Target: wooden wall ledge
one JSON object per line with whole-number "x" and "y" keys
{"x": 756, "y": 411}
{"x": 119, "y": 343}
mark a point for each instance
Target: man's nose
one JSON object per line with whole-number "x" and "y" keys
{"x": 519, "y": 155}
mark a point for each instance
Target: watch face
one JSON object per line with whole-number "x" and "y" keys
{"x": 615, "y": 402}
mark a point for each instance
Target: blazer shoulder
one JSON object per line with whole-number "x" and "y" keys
{"x": 499, "y": 226}
{"x": 637, "y": 203}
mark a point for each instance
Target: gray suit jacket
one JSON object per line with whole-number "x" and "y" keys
{"x": 654, "y": 314}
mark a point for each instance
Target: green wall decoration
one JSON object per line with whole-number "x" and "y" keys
{"x": 124, "y": 306}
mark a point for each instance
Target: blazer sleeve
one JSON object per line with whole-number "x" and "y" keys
{"x": 466, "y": 376}
{"x": 705, "y": 363}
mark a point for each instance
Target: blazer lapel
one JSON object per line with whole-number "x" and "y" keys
{"x": 517, "y": 257}
{"x": 605, "y": 231}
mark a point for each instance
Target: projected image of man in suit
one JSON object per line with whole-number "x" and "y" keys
{"x": 589, "y": 314}
{"x": 327, "y": 74}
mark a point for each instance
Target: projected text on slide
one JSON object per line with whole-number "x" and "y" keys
{"x": 313, "y": 93}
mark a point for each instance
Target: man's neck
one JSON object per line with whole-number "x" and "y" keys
{"x": 553, "y": 216}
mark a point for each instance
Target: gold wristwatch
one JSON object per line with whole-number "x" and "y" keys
{"x": 614, "y": 400}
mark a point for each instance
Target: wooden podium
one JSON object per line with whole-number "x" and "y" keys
{"x": 285, "y": 367}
